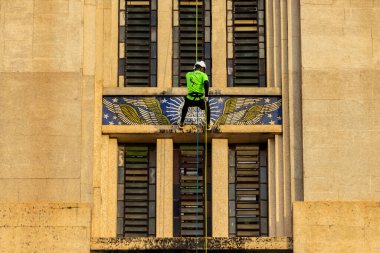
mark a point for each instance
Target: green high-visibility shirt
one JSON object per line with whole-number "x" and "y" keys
{"x": 195, "y": 83}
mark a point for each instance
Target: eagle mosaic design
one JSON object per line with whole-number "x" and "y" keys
{"x": 166, "y": 110}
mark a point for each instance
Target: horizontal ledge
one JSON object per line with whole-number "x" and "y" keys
{"x": 168, "y": 129}
{"x": 192, "y": 243}
{"x": 251, "y": 129}
{"x": 181, "y": 91}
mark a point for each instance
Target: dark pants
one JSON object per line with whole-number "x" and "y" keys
{"x": 197, "y": 103}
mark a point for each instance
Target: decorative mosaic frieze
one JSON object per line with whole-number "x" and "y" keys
{"x": 166, "y": 110}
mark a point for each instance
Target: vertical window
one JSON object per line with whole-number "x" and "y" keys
{"x": 248, "y": 190}
{"x": 137, "y": 43}
{"x": 189, "y": 188}
{"x": 184, "y": 37}
{"x": 136, "y": 191}
{"x": 246, "y": 43}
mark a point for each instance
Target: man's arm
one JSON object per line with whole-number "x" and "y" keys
{"x": 206, "y": 85}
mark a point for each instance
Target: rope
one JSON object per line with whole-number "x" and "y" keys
{"x": 196, "y": 30}
{"x": 196, "y": 59}
{"x": 196, "y": 210}
{"x": 205, "y": 150}
{"x": 205, "y": 177}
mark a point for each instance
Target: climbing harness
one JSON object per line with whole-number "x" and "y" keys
{"x": 195, "y": 96}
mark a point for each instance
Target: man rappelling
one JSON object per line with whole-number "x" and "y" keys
{"x": 197, "y": 92}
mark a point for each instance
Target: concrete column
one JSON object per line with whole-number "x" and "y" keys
{"x": 87, "y": 140}
{"x": 219, "y": 44}
{"x": 88, "y": 102}
{"x": 104, "y": 220}
{"x": 285, "y": 119}
{"x": 295, "y": 100}
{"x": 269, "y": 42}
{"x": 164, "y": 195}
{"x": 277, "y": 43}
{"x": 110, "y": 30}
{"x": 279, "y": 181}
{"x": 220, "y": 187}
{"x": 99, "y": 42}
{"x": 271, "y": 188}
{"x": 164, "y": 44}
{"x": 109, "y": 191}
{"x": 114, "y": 43}
{"x": 98, "y": 138}
{"x": 89, "y": 29}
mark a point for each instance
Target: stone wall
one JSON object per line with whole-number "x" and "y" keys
{"x": 340, "y": 96}
{"x": 41, "y": 36}
{"x": 323, "y": 227}
{"x": 47, "y": 105}
{"x": 45, "y": 227}
{"x": 341, "y": 135}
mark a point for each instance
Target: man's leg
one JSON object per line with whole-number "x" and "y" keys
{"x": 208, "y": 113}
{"x": 184, "y": 111}
{"x": 201, "y": 104}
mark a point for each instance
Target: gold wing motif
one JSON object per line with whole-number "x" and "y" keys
{"x": 229, "y": 107}
{"x": 257, "y": 112}
{"x": 131, "y": 113}
{"x": 232, "y": 115}
{"x": 252, "y": 112}
{"x": 156, "y": 115}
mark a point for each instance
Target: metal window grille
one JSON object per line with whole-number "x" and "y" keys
{"x": 189, "y": 214}
{"x": 246, "y": 43}
{"x": 137, "y": 43}
{"x": 184, "y": 37}
{"x": 136, "y": 191}
{"x": 248, "y": 190}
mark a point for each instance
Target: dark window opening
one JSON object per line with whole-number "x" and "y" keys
{"x": 136, "y": 191}
{"x": 248, "y": 190}
{"x": 184, "y": 38}
{"x": 189, "y": 191}
{"x": 246, "y": 43}
{"x": 137, "y": 43}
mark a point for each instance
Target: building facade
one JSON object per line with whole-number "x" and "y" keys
{"x": 96, "y": 161}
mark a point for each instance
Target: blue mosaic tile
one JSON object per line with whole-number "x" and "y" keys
{"x": 166, "y": 110}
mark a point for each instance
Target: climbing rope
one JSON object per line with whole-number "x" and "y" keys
{"x": 205, "y": 150}
{"x": 196, "y": 30}
{"x": 197, "y": 191}
{"x": 205, "y": 177}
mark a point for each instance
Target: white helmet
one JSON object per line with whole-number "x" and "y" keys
{"x": 200, "y": 63}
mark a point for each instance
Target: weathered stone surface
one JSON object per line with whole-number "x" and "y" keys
{"x": 192, "y": 243}
{"x": 43, "y": 227}
{"x": 334, "y": 226}
{"x": 41, "y": 35}
{"x": 340, "y": 72}
{"x": 40, "y": 148}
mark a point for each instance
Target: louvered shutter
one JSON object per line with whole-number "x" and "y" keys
{"x": 138, "y": 189}
{"x": 184, "y": 38}
{"x": 137, "y": 43}
{"x": 247, "y": 61}
{"x": 189, "y": 213}
{"x": 248, "y": 191}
